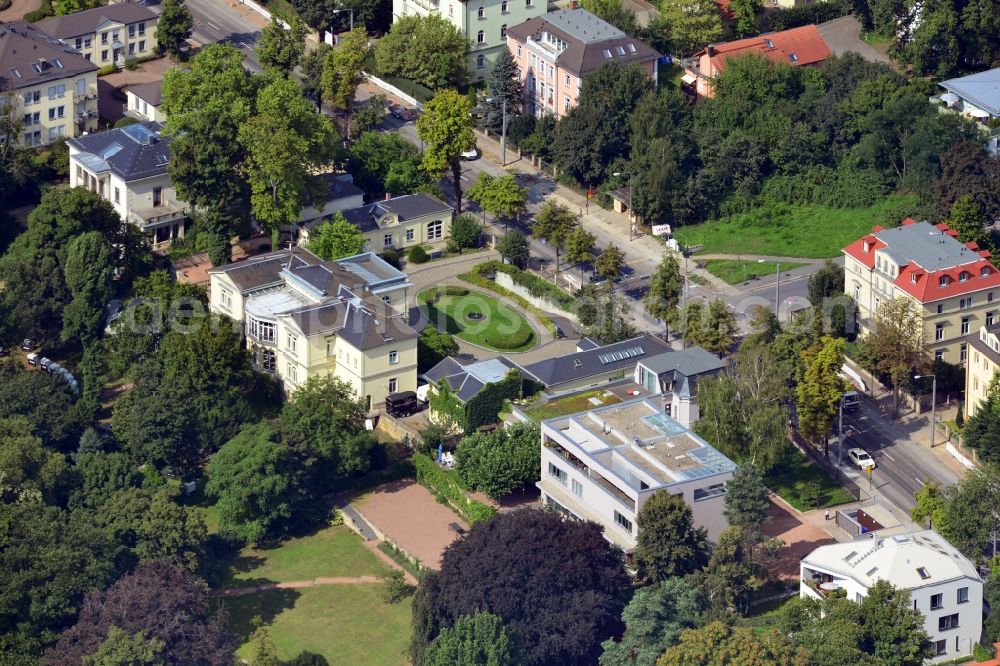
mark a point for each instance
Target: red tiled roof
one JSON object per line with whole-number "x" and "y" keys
{"x": 804, "y": 43}
{"x": 924, "y": 286}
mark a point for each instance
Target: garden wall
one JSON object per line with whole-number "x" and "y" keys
{"x": 507, "y": 282}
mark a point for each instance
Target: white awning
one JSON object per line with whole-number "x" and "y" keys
{"x": 689, "y": 78}
{"x": 950, "y": 98}
{"x": 979, "y": 113}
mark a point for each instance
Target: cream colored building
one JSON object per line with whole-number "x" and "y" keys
{"x": 401, "y": 222}
{"x": 45, "y": 85}
{"x": 128, "y": 167}
{"x": 107, "y": 35}
{"x": 954, "y": 285}
{"x": 984, "y": 362}
{"x": 142, "y": 101}
{"x": 305, "y": 317}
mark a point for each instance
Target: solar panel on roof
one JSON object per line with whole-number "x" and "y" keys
{"x": 140, "y": 134}
{"x": 110, "y": 150}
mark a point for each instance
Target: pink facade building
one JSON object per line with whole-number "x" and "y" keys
{"x": 558, "y": 50}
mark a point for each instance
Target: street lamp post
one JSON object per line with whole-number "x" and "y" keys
{"x": 631, "y": 188}
{"x": 777, "y": 284}
{"x": 933, "y": 402}
{"x": 840, "y": 442}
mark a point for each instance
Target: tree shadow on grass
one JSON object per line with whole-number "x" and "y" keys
{"x": 240, "y": 611}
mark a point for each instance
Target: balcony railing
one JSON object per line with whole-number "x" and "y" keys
{"x": 429, "y": 5}
{"x": 157, "y": 216}
{"x": 85, "y": 97}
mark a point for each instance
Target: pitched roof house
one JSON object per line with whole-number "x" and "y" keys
{"x": 796, "y": 47}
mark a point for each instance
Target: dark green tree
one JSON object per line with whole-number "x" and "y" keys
{"x": 312, "y": 73}
{"x": 281, "y": 49}
{"x": 503, "y": 84}
{"x": 554, "y": 222}
{"x": 427, "y": 49}
{"x": 663, "y": 297}
{"x": 669, "y": 544}
{"x": 475, "y": 639}
{"x": 465, "y": 231}
{"x": 174, "y": 27}
{"x": 562, "y": 613}
{"x": 514, "y": 247}
{"x": 580, "y": 246}
{"x": 433, "y": 346}
{"x": 610, "y": 263}
{"x": 121, "y": 648}
{"x": 499, "y": 462}
{"x": 29, "y": 471}
{"x": 825, "y": 283}
{"x": 89, "y": 274}
{"x": 654, "y": 619}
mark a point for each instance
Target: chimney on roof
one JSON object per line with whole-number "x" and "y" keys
{"x": 388, "y": 195}
{"x": 710, "y": 50}
{"x": 572, "y": 4}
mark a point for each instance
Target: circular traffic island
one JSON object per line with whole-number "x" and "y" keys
{"x": 477, "y": 318}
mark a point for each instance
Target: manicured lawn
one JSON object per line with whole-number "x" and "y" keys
{"x": 500, "y": 327}
{"x": 810, "y": 231}
{"x": 347, "y": 624}
{"x": 794, "y": 473}
{"x": 332, "y": 551}
{"x": 734, "y": 272}
{"x": 572, "y": 404}
{"x": 765, "y": 616}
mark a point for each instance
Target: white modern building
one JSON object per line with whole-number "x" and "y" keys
{"x": 675, "y": 375}
{"x": 143, "y": 102}
{"x": 483, "y": 22}
{"x": 943, "y": 584}
{"x": 128, "y": 167}
{"x": 603, "y": 465}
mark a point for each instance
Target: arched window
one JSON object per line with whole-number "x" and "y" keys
{"x": 481, "y": 13}
{"x": 480, "y": 37}
{"x": 503, "y": 31}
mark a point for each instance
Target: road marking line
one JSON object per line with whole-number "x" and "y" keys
{"x": 888, "y": 456}
{"x": 920, "y": 482}
{"x": 212, "y": 25}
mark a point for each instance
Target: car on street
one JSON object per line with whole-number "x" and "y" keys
{"x": 401, "y": 113}
{"x": 861, "y": 458}
{"x": 852, "y": 401}
{"x": 470, "y": 154}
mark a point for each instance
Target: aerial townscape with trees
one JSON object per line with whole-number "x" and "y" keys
{"x": 499, "y": 334}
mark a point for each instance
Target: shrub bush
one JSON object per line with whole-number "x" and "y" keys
{"x": 5, "y": 4}
{"x": 514, "y": 340}
{"x": 131, "y": 64}
{"x": 391, "y": 257}
{"x": 439, "y": 483}
{"x": 452, "y": 290}
{"x": 107, "y": 69}
{"x": 417, "y": 255}
{"x": 45, "y": 10}
{"x": 783, "y": 19}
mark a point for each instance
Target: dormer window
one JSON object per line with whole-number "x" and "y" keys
{"x": 985, "y": 272}
{"x": 867, "y": 246}
{"x": 963, "y": 276}
{"x": 607, "y": 53}
{"x": 793, "y": 57}
{"x": 943, "y": 281}
{"x": 768, "y": 43}
{"x": 913, "y": 278}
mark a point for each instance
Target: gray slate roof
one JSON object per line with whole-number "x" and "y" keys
{"x": 925, "y": 245}
{"x": 599, "y": 360}
{"x": 23, "y": 47}
{"x": 265, "y": 269}
{"x": 88, "y": 21}
{"x": 468, "y": 380}
{"x": 132, "y": 152}
{"x": 982, "y": 89}
{"x": 690, "y": 362}
{"x": 591, "y": 41}
{"x": 406, "y": 207}
{"x": 151, "y": 92}
{"x": 360, "y": 323}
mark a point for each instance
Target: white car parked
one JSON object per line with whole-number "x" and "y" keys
{"x": 861, "y": 458}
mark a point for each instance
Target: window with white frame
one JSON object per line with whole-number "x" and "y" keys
{"x": 965, "y": 325}
{"x": 329, "y": 346}
{"x": 716, "y": 490}
{"x": 410, "y": 235}
{"x": 291, "y": 373}
{"x": 142, "y": 29}
{"x": 393, "y": 357}
{"x": 291, "y": 342}
{"x": 480, "y": 61}
{"x": 56, "y": 132}
{"x": 226, "y": 296}
{"x": 577, "y": 488}
{"x": 434, "y": 230}
{"x": 387, "y": 240}
{"x": 557, "y": 473}
{"x": 963, "y": 595}
{"x": 480, "y": 37}
{"x": 393, "y": 385}
{"x": 518, "y": 50}
{"x": 503, "y": 31}
{"x": 481, "y": 13}
{"x": 939, "y": 331}
{"x": 946, "y": 622}
{"x": 131, "y": 31}
{"x": 963, "y": 352}
{"x": 503, "y": 7}
{"x": 268, "y": 360}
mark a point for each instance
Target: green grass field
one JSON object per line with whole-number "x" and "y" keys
{"x": 796, "y": 471}
{"x": 502, "y": 329}
{"x": 812, "y": 231}
{"x": 347, "y": 624}
{"x": 572, "y": 404}
{"x": 734, "y": 272}
{"x": 332, "y": 551}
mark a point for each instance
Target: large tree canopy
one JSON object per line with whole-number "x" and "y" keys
{"x": 557, "y": 585}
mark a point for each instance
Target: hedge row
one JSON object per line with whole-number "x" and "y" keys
{"x": 783, "y": 19}
{"x": 44, "y": 10}
{"x": 447, "y": 490}
{"x": 476, "y": 277}
{"x": 508, "y": 341}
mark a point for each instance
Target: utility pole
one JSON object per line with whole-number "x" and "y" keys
{"x": 777, "y": 287}
{"x": 840, "y": 442}
{"x": 933, "y": 403}
{"x": 503, "y": 135}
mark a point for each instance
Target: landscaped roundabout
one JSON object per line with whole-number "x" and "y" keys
{"x": 477, "y": 318}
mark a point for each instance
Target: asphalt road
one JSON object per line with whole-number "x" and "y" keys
{"x": 215, "y": 21}
{"x": 902, "y": 466}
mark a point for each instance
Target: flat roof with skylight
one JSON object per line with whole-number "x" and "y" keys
{"x": 638, "y": 434}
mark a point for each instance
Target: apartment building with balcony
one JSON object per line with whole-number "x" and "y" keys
{"x": 305, "y": 317}
{"x": 558, "y": 51}
{"x": 45, "y": 84}
{"x": 943, "y": 584}
{"x": 107, "y": 35}
{"x": 483, "y": 22}
{"x": 128, "y": 167}
{"x": 675, "y": 376}
{"x": 603, "y": 465}
{"x": 977, "y": 97}
{"x": 953, "y": 285}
